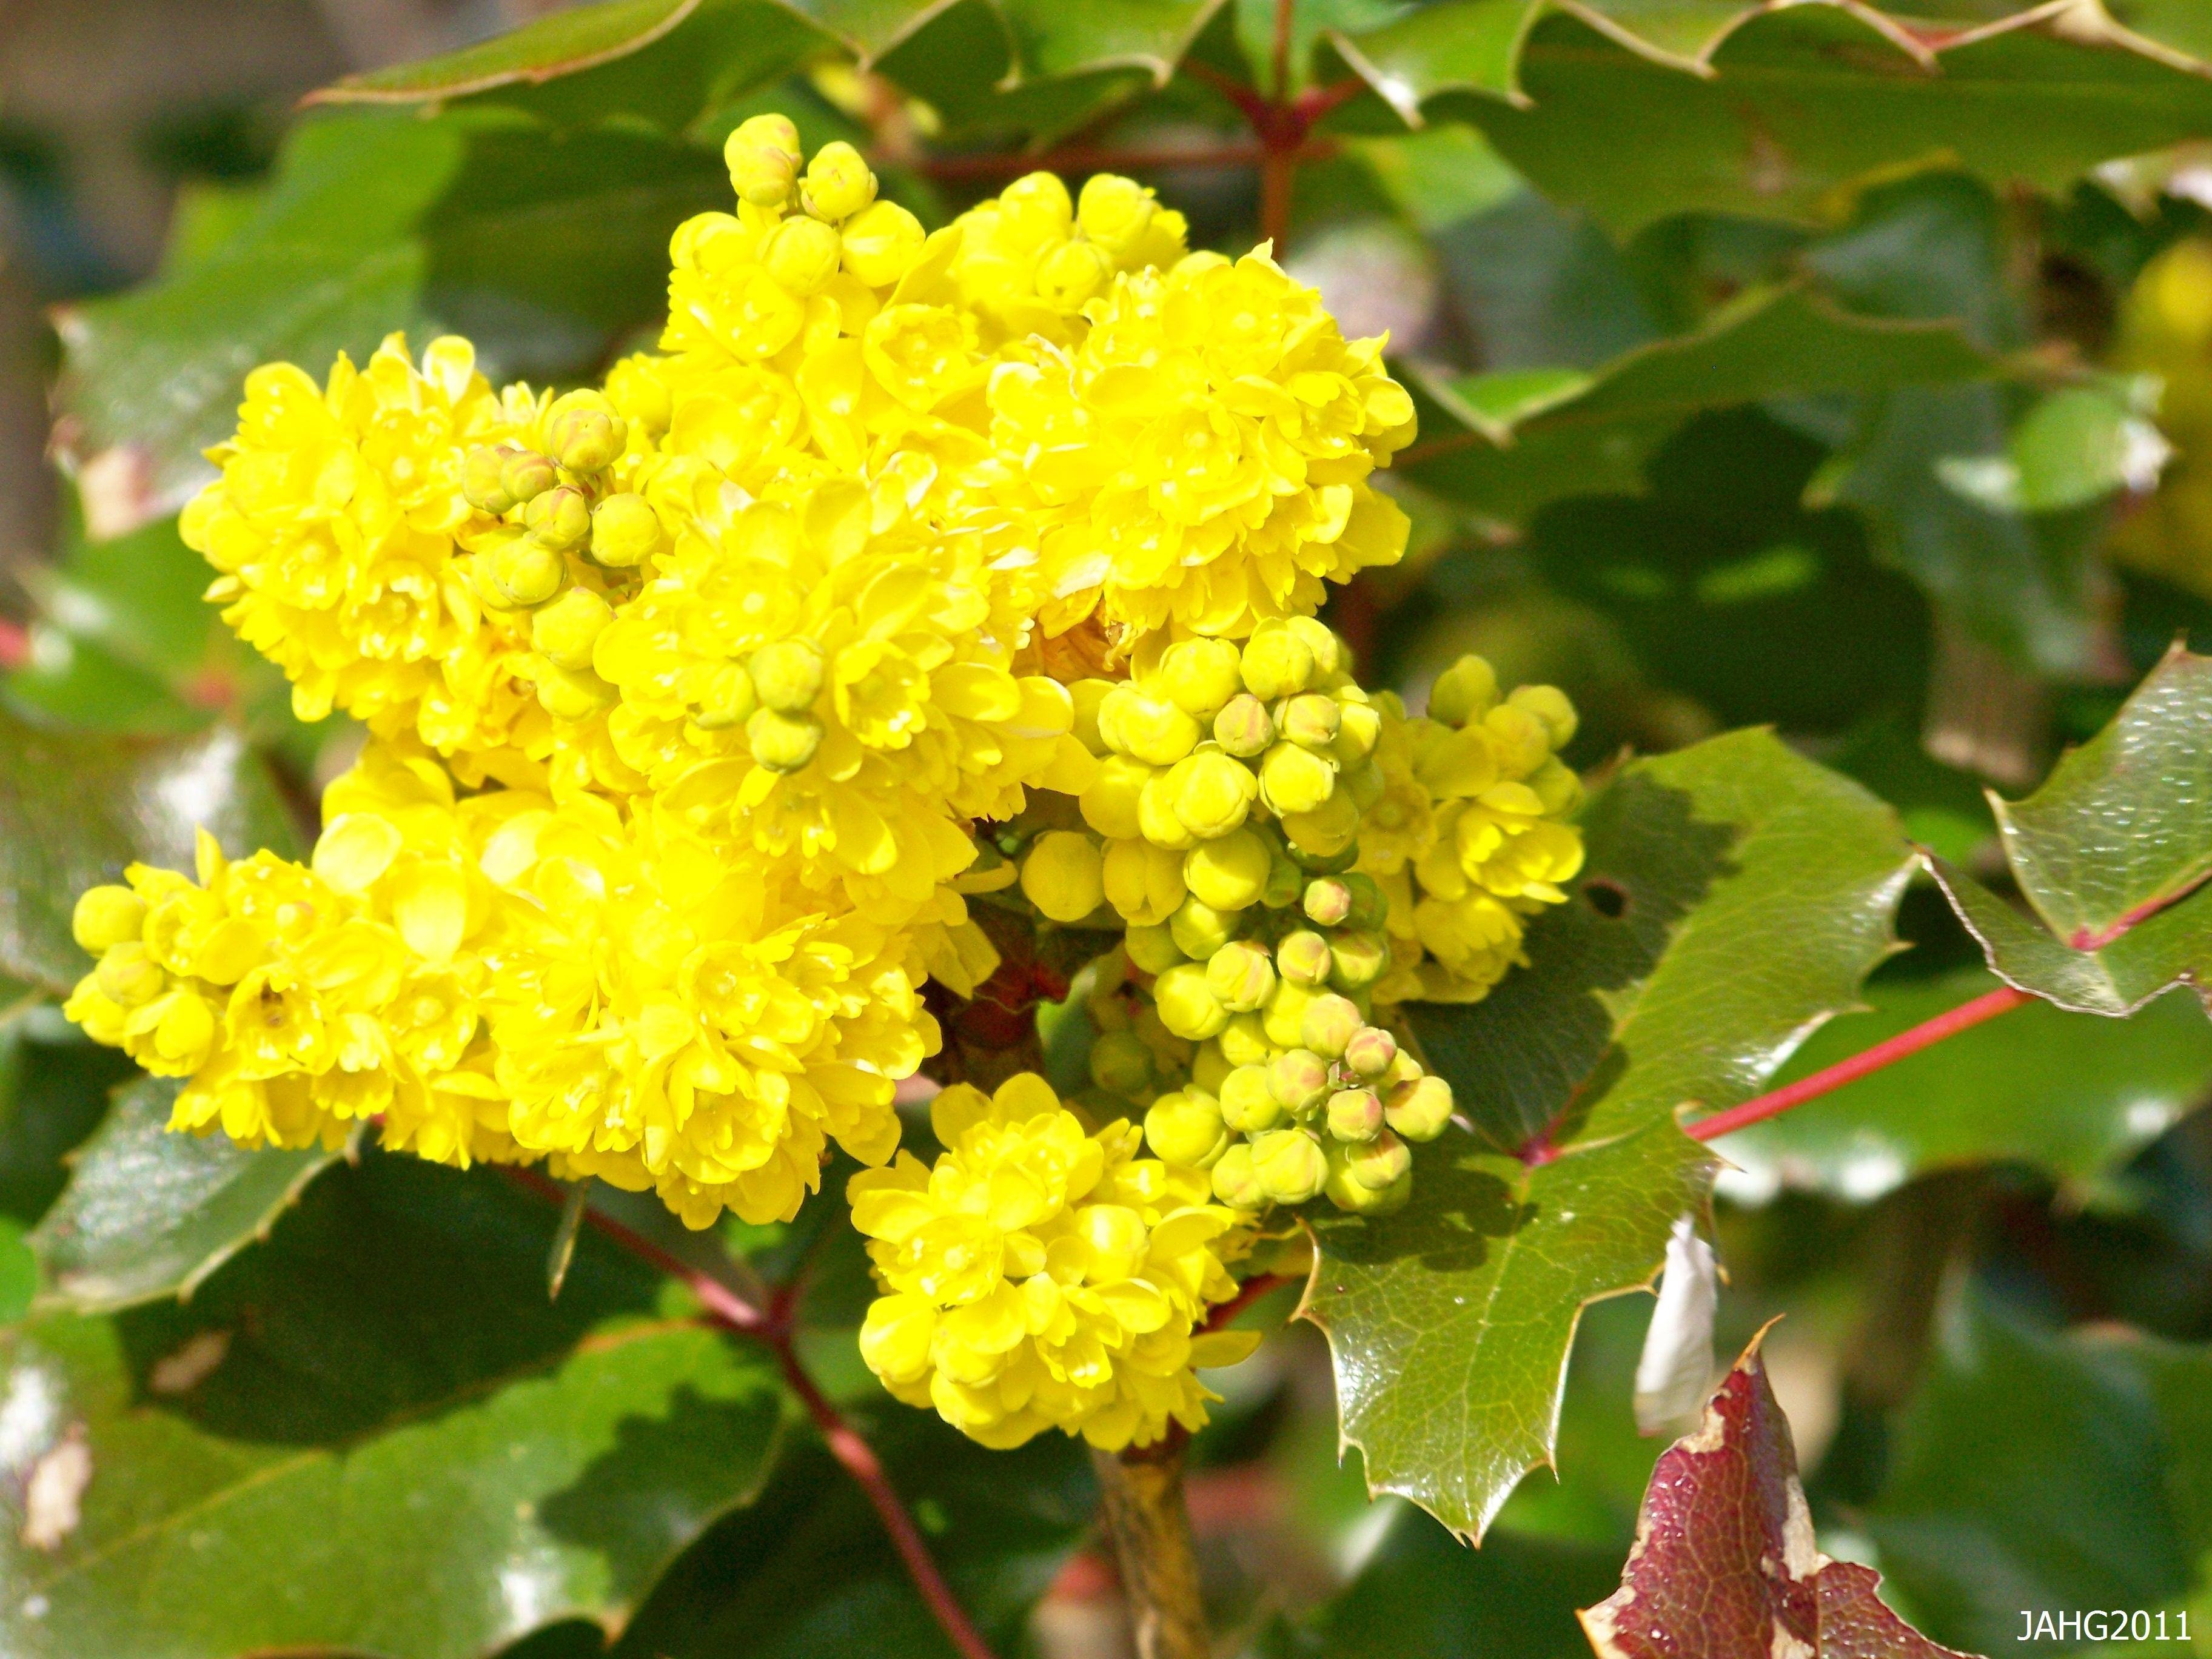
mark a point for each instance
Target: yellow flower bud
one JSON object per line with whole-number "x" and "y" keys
{"x": 1213, "y": 794}
{"x": 1249, "y": 1105}
{"x": 1330, "y": 656}
{"x": 1289, "y": 1164}
{"x": 625, "y": 531}
{"x": 1328, "y": 900}
{"x": 1549, "y": 705}
{"x": 524, "y": 475}
{"x": 1230, "y": 874}
{"x": 1208, "y": 1066}
{"x": 1234, "y": 1181}
{"x": 1293, "y": 780}
{"x": 1299, "y": 1080}
{"x": 786, "y": 674}
{"x": 838, "y": 183}
{"x": 1243, "y": 729}
{"x": 1374, "y": 1179}
{"x": 1277, "y": 663}
{"x": 1114, "y": 212}
{"x": 1419, "y": 1110}
{"x": 1144, "y": 883}
{"x": 1370, "y": 1051}
{"x": 1284, "y": 1018}
{"x": 763, "y": 156}
{"x": 559, "y": 519}
{"x": 1035, "y": 209}
{"x": 1153, "y": 947}
{"x": 483, "y": 478}
{"x": 1072, "y": 273}
{"x": 1064, "y": 875}
{"x": 1240, "y": 976}
{"x": 527, "y": 572}
{"x": 801, "y": 254}
{"x": 1199, "y": 930}
{"x": 569, "y": 694}
{"x": 1310, "y": 720}
{"x": 1157, "y": 818}
{"x": 729, "y": 700}
{"x": 1200, "y": 677}
{"x": 584, "y": 434}
{"x": 882, "y": 242}
{"x": 1359, "y": 728}
{"x": 1187, "y": 1006}
{"x": 635, "y": 387}
{"x": 1358, "y": 959}
{"x": 1355, "y": 1115}
{"x": 186, "y": 1030}
{"x": 1120, "y": 1064}
{"x": 1086, "y": 695}
{"x": 1109, "y": 801}
{"x": 126, "y": 974}
{"x": 1465, "y": 691}
{"x": 1185, "y": 1128}
{"x": 1243, "y": 1041}
{"x": 781, "y": 742}
{"x": 1330, "y": 829}
{"x": 565, "y": 630}
{"x": 1328, "y": 1024}
{"x": 105, "y": 917}
{"x": 1152, "y": 729}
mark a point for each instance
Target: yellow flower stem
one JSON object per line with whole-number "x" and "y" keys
{"x": 1141, "y": 1492}
{"x": 776, "y": 1327}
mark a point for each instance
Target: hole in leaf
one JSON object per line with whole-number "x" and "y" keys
{"x": 1609, "y": 898}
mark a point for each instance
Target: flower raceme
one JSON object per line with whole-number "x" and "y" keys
{"x": 913, "y": 570}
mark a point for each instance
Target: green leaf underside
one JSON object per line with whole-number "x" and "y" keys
{"x": 75, "y": 809}
{"x": 1749, "y": 892}
{"x": 149, "y": 1213}
{"x": 2076, "y": 1097}
{"x": 374, "y": 1436}
{"x": 2111, "y": 852}
{"x": 1510, "y": 442}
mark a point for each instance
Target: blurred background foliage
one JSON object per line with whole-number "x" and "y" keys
{"x": 1789, "y": 392}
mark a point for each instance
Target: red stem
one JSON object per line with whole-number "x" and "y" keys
{"x": 1773, "y": 1104}
{"x": 1282, "y": 50}
{"x": 1093, "y": 158}
{"x": 1247, "y": 1293}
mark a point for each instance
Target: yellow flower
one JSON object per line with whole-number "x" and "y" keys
{"x": 1031, "y": 258}
{"x": 1040, "y": 1276}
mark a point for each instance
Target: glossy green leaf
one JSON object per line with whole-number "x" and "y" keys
{"x": 1506, "y": 444}
{"x": 1735, "y": 895}
{"x": 2046, "y": 1473}
{"x": 147, "y": 1213}
{"x": 375, "y": 1434}
{"x": 75, "y": 809}
{"x": 2074, "y": 1096}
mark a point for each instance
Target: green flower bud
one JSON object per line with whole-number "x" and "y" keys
{"x": 1330, "y": 656}
{"x": 1198, "y": 929}
{"x": 763, "y": 156}
{"x": 1294, "y": 780}
{"x": 483, "y": 478}
{"x": 1243, "y": 1041}
{"x": 838, "y": 183}
{"x": 559, "y": 519}
{"x": 1370, "y": 905}
{"x": 1419, "y": 1110}
{"x": 1357, "y": 958}
{"x": 1310, "y": 720}
{"x": 1234, "y": 1181}
{"x": 1231, "y": 874}
{"x": 1199, "y": 677}
{"x": 1212, "y": 794}
{"x": 1330, "y": 829}
{"x": 1114, "y": 212}
{"x": 1241, "y": 976}
{"x": 1324, "y": 863}
{"x": 1243, "y": 728}
{"x": 1549, "y": 705}
{"x": 527, "y": 572}
{"x": 585, "y": 436}
{"x": 1463, "y": 692}
{"x": 1350, "y": 1196}
{"x": 1359, "y": 728}
{"x": 1152, "y": 729}
{"x": 1364, "y": 782}
{"x": 1187, "y": 1004}
{"x": 1329, "y": 1025}
{"x": 801, "y": 254}
{"x": 1064, "y": 875}
{"x": 1186, "y": 1128}
{"x": 105, "y": 917}
{"x": 1289, "y": 1164}
{"x": 786, "y": 674}
{"x": 1277, "y": 663}
{"x": 1299, "y": 1081}
{"x": 126, "y": 974}
{"x": 524, "y": 475}
{"x": 1328, "y": 900}
{"x": 625, "y": 531}
{"x": 1153, "y": 948}
{"x": 1355, "y": 1115}
{"x": 1120, "y": 1064}
{"x": 1302, "y": 958}
{"x": 1285, "y": 881}
{"x": 781, "y": 742}
{"x": 569, "y": 694}
{"x": 881, "y": 241}
{"x": 1071, "y": 274}
{"x": 1249, "y": 1105}
{"x": 1371, "y": 1052}
{"x": 565, "y": 630}
{"x": 730, "y": 700}
{"x": 1373, "y": 1179}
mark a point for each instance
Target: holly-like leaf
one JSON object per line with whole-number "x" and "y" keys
{"x": 375, "y": 1434}
{"x": 2072, "y": 1095}
{"x": 1725, "y": 1564}
{"x": 2048, "y": 1472}
{"x": 2110, "y": 853}
{"x": 75, "y": 809}
{"x": 1638, "y": 112}
{"x": 149, "y": 1213}
{"x": 1735, "y": 895}
{"x": 1508, "y": 442}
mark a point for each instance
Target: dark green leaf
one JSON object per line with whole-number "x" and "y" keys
{"x": 1734, "y": 897}
{"x": 75, "y": 811}
{"x": 373, "y": 1435}
{"x": 149, "y": 1213}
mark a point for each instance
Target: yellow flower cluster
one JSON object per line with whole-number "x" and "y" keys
{"x": 1042, "y": 1275}
{"x": 2165, "y": 330}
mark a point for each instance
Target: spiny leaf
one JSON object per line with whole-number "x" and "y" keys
{"x": 1735, "y": 895}
{"x": 1725, "y": 1565}
{"x": 75, "y": 809}
{"x": 149, "y": 1213}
